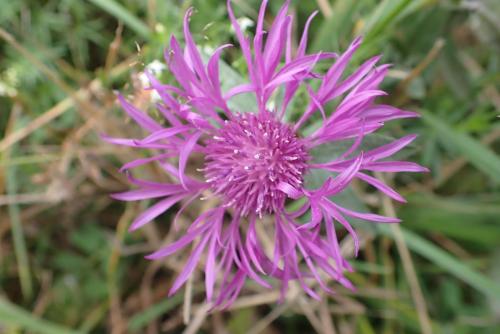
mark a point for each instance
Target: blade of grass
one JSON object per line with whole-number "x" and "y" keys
{"x": 378, "y": 26}
{"x": 18, "y": 237}
{"x": 408, "y": 266}
{"x": 364, "y": 325}
{"x": 386, "y": 13}
{"x": 94, "y": 318}
{"x": 142, "y": 319}
{"x": 325, "y": 7}
{"x": 122, "y": 14}
{"x": 12, "y": 315}
{"x": 476, "y": 153}
{"x": 453, "y": 216}
{"x": 28, "y": 160}
{"x": 15, "y": 220}
{"x": 446, "y": 261}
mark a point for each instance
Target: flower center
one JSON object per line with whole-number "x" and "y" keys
{"x": 247, "y": 159}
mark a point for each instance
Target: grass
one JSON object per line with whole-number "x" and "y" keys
{"x": 67, "y": 264}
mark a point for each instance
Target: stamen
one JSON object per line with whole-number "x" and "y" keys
{"x": 245, "y": 167}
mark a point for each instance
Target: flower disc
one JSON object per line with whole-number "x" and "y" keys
{"x": 247, "y": 159}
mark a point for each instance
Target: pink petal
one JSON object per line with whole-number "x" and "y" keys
{"x": 340, "y": 182}
{"x": 395, "y": 166}
{"x": 142, "y": 194}
{"x": 188, "y": 267}
{"x": 191, "y": 50}
{"x": 184, "y": 155}
{"x": 140, "y": 162}
{"x": 381, "y": 186}
{"x": 303, "y": 40}
{"x": 332, "y": 210}
{"x": 353, "y": 79}
{"x": 164, "y": 134}
{"x": 289, "y": 190}
{"x": 336, "y": 71}
{"x": 367, "y": 216}
{"x": 210, "y": 269}
{"x": 389, "y": 149}
{"x": 138, "y": 116}
{"x": 155, "y": 211}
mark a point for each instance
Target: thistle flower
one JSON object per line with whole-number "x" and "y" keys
{"x": 255, "y": 162}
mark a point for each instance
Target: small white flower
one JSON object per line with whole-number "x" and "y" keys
{"x": 6, "y": 90}
{"x": 245, "y": 23}
{"x": 156, "y": 67}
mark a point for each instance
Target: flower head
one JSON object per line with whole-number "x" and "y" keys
{"x": 254, "y": 162}
{"x": 248, "y": 159}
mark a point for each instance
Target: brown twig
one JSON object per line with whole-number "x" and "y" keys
{"x": 326, "y": 318}
{"x": 45, "y": 294}
{"x": 264, "y": 322}
{"x": 307, "y": 307}
{"x": 40, "y": 121}
{"x": 325, "y": 7}
{"x": 198, "y": 319}
{"x": 53, "y": 76}
{"x": 256, "y": 300}
{"x": 113, "y": 49}
{"x": 188, "y": 300}
{"x": 152, "y": 8}
{"x": 118, "y": 324}
{"x": 57, "y": 110}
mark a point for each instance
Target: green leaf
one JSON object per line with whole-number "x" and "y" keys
{"x": 88, "y": 239}
{"x": 476, "y": 153}
{"x": 454, "y": 216}
{"x": 446, "y": 261}
{"x": 229, "y": 79}
{"x": 378, "y": 27}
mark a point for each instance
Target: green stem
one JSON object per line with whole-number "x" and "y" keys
{"x": 122, "y": 14}
{"x": 12, "y": 315}
{"x": 18, "y": 236}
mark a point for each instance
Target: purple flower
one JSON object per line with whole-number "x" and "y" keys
{"x": 254, "y": 162}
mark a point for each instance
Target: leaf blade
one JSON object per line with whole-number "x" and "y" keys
{"x": 476, "y": 153}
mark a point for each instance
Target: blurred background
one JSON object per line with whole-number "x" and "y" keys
{"x": 67, "y": 262}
